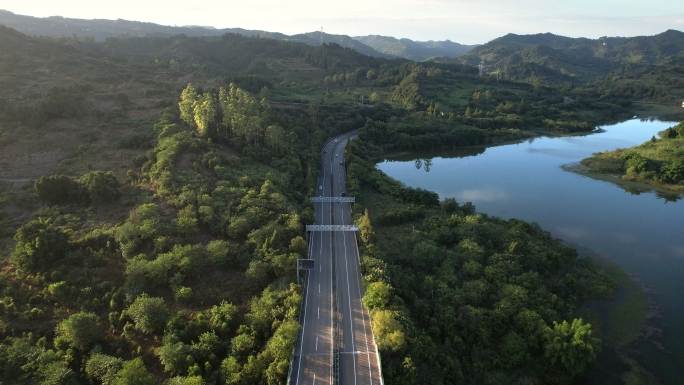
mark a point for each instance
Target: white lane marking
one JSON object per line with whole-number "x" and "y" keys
{"x": 316, "y": 343}
{"x": 301, "y": 346}
{"x": 314, "y": 382}
{"x": 320, "y": 270}
{"x": 365, "y": 334}
{"x": 319, "y": 317}
{"x": 351, "y": 323}
{"x": 319, "y": 288}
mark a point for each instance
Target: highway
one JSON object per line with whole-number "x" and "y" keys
{"x": 316, "y": 355}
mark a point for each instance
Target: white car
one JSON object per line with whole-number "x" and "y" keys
{"x": 320, "y": 187}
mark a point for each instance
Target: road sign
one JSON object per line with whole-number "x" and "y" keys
{"x": 331, "y": 228}
{"x": 333, "y": 199}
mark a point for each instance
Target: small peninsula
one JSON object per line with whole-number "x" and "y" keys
{"x": 658, "y": 162}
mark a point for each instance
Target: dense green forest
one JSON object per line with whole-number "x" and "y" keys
{"x": 461, "y": 297}
{"x": 154, "y": 192}
{"x": 658, "y": 162}
{"x": 642, "y": 67}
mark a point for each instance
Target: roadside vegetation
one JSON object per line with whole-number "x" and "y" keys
{"x": 154, "y": 192}
{"x": 457, "y": 296}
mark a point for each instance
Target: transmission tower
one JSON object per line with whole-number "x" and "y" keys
{"x": 481, "y": 66}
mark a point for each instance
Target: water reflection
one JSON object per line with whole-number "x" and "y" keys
{"x": 525, "y": 180}
{"x": 457, "y": 153}
{"x": 476, "y": 196}
{"x": 668, "y": 197}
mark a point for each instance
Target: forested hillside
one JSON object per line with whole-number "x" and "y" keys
{"x": 153, "y": 193}
{"x": 638, "y": 67}
{"x": 414, "y": 50}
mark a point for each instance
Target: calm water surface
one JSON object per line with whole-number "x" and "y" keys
{"x": 643, "y": 233}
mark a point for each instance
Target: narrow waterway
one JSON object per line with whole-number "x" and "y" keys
{"x": 644, "y": 233}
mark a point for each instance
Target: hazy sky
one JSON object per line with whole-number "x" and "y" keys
{"x": 463, "y": 21}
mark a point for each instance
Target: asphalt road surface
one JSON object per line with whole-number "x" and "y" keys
{"x": 313, "y": 359}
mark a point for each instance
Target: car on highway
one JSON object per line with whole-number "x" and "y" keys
{"x": 344, "y": 194}
{"x": 320, "y": 187}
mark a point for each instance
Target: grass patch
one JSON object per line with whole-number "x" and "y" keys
{"x": 624, "y": 317}
{"x": 630, "y": 186}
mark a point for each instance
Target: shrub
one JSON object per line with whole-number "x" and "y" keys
{"x": 100, "y": 187}
{"x": 56, "y": 189}
{"x": 39, "y": 244}
{"x": 80, "y": 330}
{"x": 149, "y": 314}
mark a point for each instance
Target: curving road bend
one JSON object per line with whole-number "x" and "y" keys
{"x": 358, "y": 362}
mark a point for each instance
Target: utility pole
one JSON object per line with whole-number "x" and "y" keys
{"x": 321, "y": 35}
{"x": 481, "y": 66}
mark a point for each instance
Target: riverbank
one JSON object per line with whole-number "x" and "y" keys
{"x": 630, "y": 186}
{"x": 654, "y": 164}
{"x": 638, "y": 232}
{"x": 631, "y": 317}
{"x": 534, "y": 134}
{"x": 645, "y": 110}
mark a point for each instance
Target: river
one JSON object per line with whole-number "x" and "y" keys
{"x": 643, "y": 233}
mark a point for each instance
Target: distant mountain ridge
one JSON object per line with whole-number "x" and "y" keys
{"x": 551, "y": 58}
{"x": 101, "y": 29}
{"x": 414, "y": 50}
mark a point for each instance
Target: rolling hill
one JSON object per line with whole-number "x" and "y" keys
{"x": 414, "y": 50}
{"x": 553, "y": 59}
{"x": 101, "y": 29}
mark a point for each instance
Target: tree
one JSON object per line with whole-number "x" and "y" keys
{"x": 39, "y": 244}
{"x": 103, "y": 368}
{"x": 389, "y": 331}
{"x": 365, "y": 229}
{"x": 186, "y": 105}
{"x": 134, "y": 373}
{"x": 571, "y": 346}
{"x": 313, "y": 110}
{"x": 149, "y": 314}
{"x": 173, "y": 355}
{"x": 191, "y": 380}
{"x": 100, "y": 186}
{"x": 56, "y": 189}
{"x": 57, "y": 372}
{"x": 205, "y": 114}
{"x": 275, "y": 137}
{"x": 377, "y": 295}
{"x": 224, "y": 318}
{"x": 672, "y": 172}
{"x": 81, "y": 330}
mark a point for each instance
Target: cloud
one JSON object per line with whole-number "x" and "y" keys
{"x": 678, "y": 250}
{"x": 625, "y": 238}
{"x": 482, "y": 195}
{"x": 572, "y": 233}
